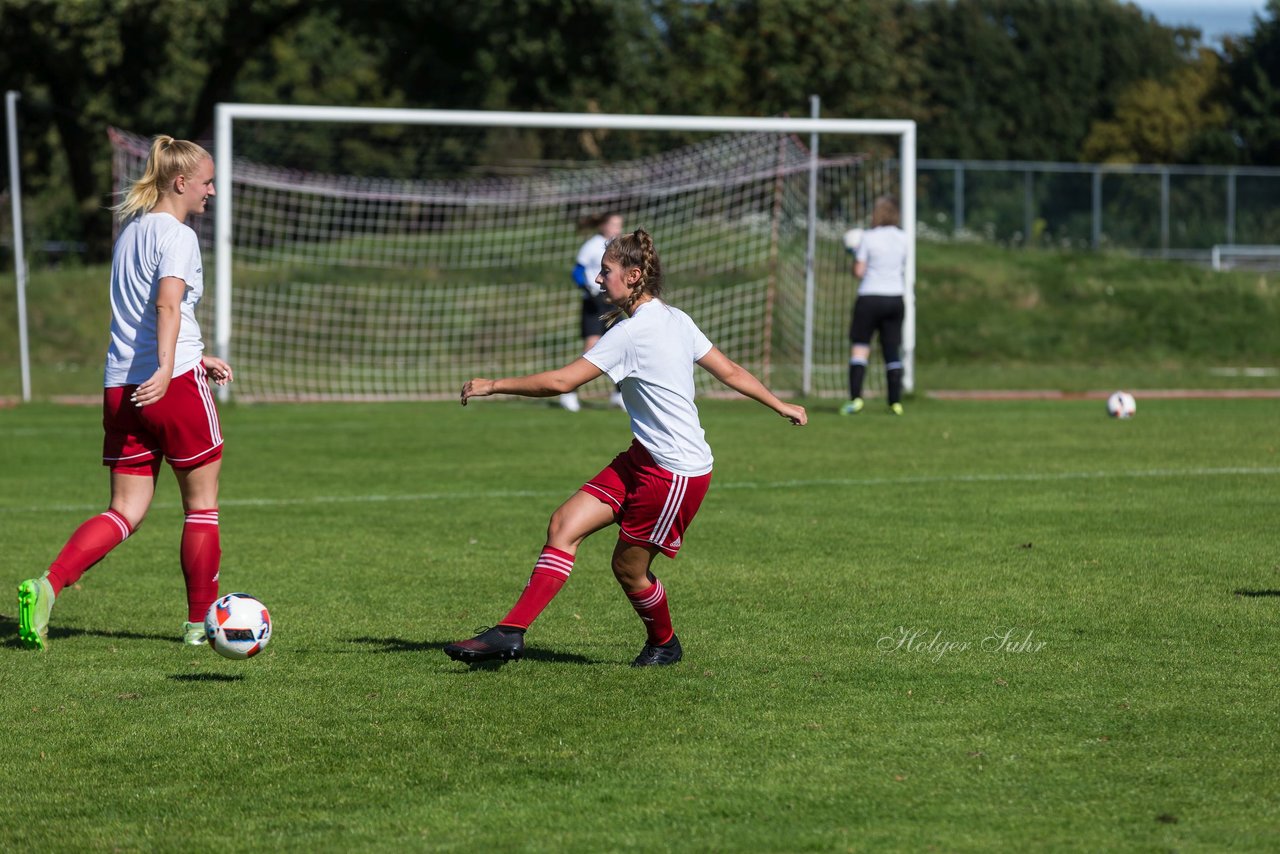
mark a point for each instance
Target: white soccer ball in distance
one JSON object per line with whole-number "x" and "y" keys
{"x": 852, "y": 240}
{"x": 1121, "y": 405}
{"x": 237, "y": 626}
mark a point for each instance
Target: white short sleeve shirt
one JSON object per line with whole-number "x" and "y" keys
{"x": 884, "y": 250}
{"x": 590, "y": 256}
{"x": 651, "y": 355}
{"x": 151, "y": 247}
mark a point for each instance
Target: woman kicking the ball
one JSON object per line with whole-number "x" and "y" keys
{"x": 653, "y": 489}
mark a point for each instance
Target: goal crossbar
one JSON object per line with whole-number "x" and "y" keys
{"x": 227, "y": 113}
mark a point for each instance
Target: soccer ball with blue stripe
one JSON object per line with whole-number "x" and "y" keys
{"x": 237, "y": 626}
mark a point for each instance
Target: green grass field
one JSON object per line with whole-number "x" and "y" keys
{"x": 983, "y": 626}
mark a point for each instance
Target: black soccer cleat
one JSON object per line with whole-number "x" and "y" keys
{"x": 654, "y": 655}
{"x": 500, "y": 643}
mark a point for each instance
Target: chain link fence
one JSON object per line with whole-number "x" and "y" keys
{"x": 1178, "y": 212}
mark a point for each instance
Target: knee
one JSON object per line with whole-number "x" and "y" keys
{"x": 557, "y": 525}
{"x": 629, "y": 578}
{"x": 631, "y": 574}
{"x": 133, "y": 515}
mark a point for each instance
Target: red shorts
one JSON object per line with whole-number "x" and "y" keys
{"x": 182, "y": 426}
{"x": 654, "y": 506}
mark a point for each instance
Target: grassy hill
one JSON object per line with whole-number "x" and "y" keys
{"x": 988, "y": 317}
{"x": 999, "y": 318}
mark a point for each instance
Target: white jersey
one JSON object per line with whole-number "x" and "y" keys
{"x": 590, "y": 257}
{"x": 151, "y": 247}
{"x": 650, "y": 355}
{"x": 884, "y": 250}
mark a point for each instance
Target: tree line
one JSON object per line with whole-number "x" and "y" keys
{"x": 1089, "y": 80}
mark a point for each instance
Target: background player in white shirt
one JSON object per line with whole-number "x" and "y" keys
{"x": 156, "y": 397}
{"x": 586, "y": 268}
{"x": 653, "y": 489}
{"x": 881, "y": 264}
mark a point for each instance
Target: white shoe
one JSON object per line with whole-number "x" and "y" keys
{"x": 570, "y": 402}
{"x": 615, "y": 399}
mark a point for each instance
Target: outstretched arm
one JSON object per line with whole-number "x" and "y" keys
{"x": 744, "y": 382}
{"x": 545, "y": 384}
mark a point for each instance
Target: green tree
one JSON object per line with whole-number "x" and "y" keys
{"x": 1024, "y": 79}
{"x": 1168, "y": 121}
{"x": 991, "y": 79}
{"x": 149, "y": 65}
{"x": 537, "y": 55}
{"x": 766, "y": 57}
{"x": 1254, "y": 69}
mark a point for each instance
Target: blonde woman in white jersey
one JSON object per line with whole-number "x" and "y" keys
{"x": 880, "y": 265}
{"x": 156, "y": 398}
{"x": 653, "y": 489}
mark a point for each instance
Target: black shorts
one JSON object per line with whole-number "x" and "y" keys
{"x": 878, "y": 314}
{"x": 593, "y": 311}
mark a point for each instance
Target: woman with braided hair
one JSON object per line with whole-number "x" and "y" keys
{"x": 653, "y": 489}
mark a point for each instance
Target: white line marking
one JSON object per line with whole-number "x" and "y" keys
{"x": 485, "y": 495}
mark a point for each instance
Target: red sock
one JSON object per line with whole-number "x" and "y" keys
{"x": 88, "y": 545}
{"x": 201, "y": 555}
{"x": 651, "y": 605}
{"x": 549, "y": 575}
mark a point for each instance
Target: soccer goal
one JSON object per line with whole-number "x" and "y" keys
{"x": 382, "y": 254}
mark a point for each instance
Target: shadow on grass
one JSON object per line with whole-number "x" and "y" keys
{"x": 9, "y": 631}
{"x": 207, "y": 677}
{"x": 1257, "y": 593}
{"x": 402, "y": 645}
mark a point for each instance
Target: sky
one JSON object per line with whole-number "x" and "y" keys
{"x": 1215, "y": 19}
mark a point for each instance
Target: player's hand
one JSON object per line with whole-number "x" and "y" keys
{"x": 218, "y": 370}
{"x": 478, "y": 387}
{"x": 152, "y": 390}
{"x": 795, "y": 414}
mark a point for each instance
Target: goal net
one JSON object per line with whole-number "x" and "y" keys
{"x": 445, "y": 252}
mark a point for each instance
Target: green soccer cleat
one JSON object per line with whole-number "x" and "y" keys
{"x": 193, "y": 634}
{"x": 853, "y": 407}
{"x": 895, "y": 408}
{"x": 35, "y": 601}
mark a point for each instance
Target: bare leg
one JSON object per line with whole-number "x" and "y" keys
{"x": 576, "y": 519}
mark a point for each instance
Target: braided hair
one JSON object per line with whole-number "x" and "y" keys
{"x": 636, "y": 250}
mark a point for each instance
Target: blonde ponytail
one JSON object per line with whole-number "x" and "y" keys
{"x": 168, "y": 159}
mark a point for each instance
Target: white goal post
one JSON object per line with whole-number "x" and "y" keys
{"x": 227, "y": 186}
